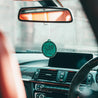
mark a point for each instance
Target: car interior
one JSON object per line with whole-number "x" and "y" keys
{"x": 49, "y": 49}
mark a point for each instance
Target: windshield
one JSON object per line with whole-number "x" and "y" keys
{"x": 29, "y": 37}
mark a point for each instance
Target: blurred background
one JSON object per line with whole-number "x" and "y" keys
{"x": 76, "y": 36}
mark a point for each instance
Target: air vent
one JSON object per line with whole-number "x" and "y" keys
{"x": 47, "y": 74}
{"x": 70, "y": 76}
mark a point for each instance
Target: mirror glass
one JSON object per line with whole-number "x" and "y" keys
{"x": 41, "y": 14}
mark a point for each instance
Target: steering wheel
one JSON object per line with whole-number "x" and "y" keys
{"x": 74, "y": 91}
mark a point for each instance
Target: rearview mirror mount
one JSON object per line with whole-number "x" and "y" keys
{"x": 45, "y": 14}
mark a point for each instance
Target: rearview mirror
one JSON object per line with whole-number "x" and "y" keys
{"x": 45, "y": 14}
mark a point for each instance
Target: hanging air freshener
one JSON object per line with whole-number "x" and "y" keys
{"x": 49, "y": 49}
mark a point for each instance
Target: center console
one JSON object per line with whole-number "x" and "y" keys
{"x": 53, "y": 82}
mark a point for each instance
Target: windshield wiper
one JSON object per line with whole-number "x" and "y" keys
{"x": 35, "y": 61}
{"x": 27, "y": 51}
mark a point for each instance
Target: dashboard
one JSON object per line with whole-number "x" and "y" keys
{"x": 53, "y": 81}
